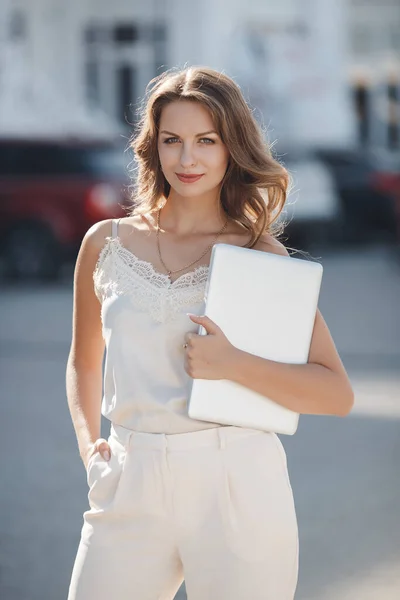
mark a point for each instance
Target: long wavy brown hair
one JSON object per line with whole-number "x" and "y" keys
{"x": 255, "y": 186}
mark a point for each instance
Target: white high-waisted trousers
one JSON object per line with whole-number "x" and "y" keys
{"x": 213, "y": 507}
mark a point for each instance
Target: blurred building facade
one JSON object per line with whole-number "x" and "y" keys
{"x": 83, "y": 66}
{"x": 374, "y": 70}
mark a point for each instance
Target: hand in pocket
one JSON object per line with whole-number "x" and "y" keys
{"x": 102, "y": 447}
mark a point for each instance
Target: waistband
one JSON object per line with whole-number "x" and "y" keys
{"x": 214, "y": 437}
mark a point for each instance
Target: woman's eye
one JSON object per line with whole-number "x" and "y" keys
{"x": 172, "y": 140}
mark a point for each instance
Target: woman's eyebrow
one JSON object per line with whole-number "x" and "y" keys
{"x": 197, "y": 135}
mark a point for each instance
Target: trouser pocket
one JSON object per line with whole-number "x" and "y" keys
{"x": 104, "y": 477}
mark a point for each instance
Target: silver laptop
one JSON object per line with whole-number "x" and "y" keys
{"x": 266, "y": 305}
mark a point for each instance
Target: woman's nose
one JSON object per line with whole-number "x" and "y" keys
{"x": 187, "y": 157}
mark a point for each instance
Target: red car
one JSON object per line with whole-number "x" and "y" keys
{"x": 51, "y": 192}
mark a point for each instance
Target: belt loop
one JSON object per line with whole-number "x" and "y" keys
{"x": 165, "y": 442}
{"x": 221, "y": 436}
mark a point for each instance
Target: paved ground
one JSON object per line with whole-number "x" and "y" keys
{"x": 344, "y": 471}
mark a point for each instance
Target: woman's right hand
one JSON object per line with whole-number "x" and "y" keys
{"x": 100, "y": 445}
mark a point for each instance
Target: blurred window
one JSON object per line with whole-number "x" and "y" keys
{"x": 159, "y": 41}
{"x": 93, "y": 82}
{"x": 126, "y": 34}
{"x": 126, "y": 76}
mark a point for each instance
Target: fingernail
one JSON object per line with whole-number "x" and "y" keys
{"x": 106, "y": 455}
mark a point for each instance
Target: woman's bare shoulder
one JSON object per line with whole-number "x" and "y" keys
{"x": 267, "y": 243}
{"x": 136, "y": 224}
{"x": 97, "y": 235}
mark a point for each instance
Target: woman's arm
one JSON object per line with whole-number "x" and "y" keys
{"x": 84, "y": 366}
{"x": 319, "y": 387}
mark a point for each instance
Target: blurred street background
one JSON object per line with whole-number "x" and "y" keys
{"x": 323, "y": 77}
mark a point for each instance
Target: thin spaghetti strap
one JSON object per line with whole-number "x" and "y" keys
{"x": 114, "y": 228}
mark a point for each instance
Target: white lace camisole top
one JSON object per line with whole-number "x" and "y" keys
{"x": 146, "y": 387}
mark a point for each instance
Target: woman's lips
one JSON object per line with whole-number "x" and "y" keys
{"x": 188, "y": 178}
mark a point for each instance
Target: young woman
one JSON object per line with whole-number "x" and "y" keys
{"x": 172, "y": 498}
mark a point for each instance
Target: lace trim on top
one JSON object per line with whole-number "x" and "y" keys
{"x": 120, "y": 272}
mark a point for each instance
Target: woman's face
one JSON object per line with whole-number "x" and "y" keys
{"x": 189, "y": 145}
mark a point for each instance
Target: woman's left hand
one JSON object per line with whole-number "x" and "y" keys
{"x": 208, "y": 356}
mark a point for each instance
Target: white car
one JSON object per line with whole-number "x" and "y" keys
{"x": 312, "y": 212}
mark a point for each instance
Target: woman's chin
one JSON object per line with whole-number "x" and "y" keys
{"x": 193, "y": 192}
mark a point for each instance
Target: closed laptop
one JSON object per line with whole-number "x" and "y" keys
{"x": 266, "y": 305}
